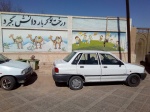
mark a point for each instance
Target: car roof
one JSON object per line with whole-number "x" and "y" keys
{"x": 91, "y": 51}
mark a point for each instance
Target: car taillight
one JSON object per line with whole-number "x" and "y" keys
{"x": 56, "y": 70}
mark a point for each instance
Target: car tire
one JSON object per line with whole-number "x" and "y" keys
{"x": 76, "y": 83}
{"x": 133, "y": 80}
{"x": 8, "y": 83}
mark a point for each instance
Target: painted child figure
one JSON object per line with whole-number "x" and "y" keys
{"x": 77, "y": 40}
{"x": 89, "y": 39}
{"x": 84, "y": 39}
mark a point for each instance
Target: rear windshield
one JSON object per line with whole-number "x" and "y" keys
{"x": 68, "y": 57}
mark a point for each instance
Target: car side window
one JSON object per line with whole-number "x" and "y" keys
{"x": 89, "y": 59}
{"x": 107, "y": 59}
{"x": 75, "y": 61}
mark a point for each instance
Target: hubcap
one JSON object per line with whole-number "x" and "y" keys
{"x": 76, "y": 83}
{"x": 134, "y": 80}
{"x": 6, "y": 83}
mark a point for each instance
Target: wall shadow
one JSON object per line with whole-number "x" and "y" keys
{"x": 119, "y": 45}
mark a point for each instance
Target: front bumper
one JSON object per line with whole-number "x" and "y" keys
{"x": 143, "y": 75}
{"x": 24, "y": 78}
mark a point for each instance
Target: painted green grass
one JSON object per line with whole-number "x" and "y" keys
{"x": 95, "y": 45}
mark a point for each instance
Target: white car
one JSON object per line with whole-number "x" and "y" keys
{"x": 95, "y": 66}
{"x": 13, "y": 72}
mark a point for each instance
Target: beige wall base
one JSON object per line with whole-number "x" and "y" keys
{"x": 50, "y": 57}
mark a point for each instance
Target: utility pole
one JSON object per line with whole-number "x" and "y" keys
{"x": 128, "y": 30}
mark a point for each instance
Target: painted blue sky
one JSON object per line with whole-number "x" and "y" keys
{"x": 139, "y": 9}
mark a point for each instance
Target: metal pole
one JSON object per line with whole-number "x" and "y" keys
{"x": 128, "y": 30}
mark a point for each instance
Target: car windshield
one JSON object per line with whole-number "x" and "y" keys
{"x": 68, "y": 57}
{"x": 3, "y": 59}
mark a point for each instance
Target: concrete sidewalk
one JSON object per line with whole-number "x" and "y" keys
{"x": 41, "y": 94}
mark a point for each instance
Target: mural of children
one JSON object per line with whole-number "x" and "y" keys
{"x": 116, "y": 45}
{"x": 77, "y": 40}
{"x": 101, "y": 38}
{"x": 84, "y": 38}
{"x": 89, "y": 39}
{"x": 107, "y": 37}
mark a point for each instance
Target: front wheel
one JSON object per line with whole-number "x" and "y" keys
{"x": 8, "y": 83}
{"x": 133, "y": 80}
{"x": 76, "y": 83}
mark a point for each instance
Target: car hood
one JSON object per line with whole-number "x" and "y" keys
{"x": 133, "y": 66}
{"x": 16, "y": 64}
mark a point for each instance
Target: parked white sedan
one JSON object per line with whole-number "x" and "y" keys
{"x": 13, "y": 72}
{"x": 95, "y": 66}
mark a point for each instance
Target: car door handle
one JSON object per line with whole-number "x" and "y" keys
{"x": 81, "y": 66}
{"x": 105, "y": 67}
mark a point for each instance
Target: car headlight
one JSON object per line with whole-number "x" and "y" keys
{"x": 23, "y": 72}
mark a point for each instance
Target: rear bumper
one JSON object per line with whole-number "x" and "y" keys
{"x": 61, "y": 77}
{"x": 143, "y": 75}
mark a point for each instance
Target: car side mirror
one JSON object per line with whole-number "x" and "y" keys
{"x": 120, "y": 63}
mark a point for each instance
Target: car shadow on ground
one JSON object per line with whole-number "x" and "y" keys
{"x": 103, "y": 83}
{"x": 61, "y": 84}
{"x": 147, "y": 66}
{"x": 93, "y": 84}
{"x": 31, "y": 80}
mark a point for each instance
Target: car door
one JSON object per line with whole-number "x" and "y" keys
{"x": 89, "y": 67}
{"x": 112, "y": 68}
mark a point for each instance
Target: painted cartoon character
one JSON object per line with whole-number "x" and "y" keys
{"x": 89, "y": 39}
{"x": 32, "y": 40}
{"x": 101, "y": 38}
{"x": 78, "y": 40}
{"x": 84, "y": 39}
{"x": 108, "y": 35}
{"x": 18, "y": 40}
{"x": 56, "y": 41}
{"x": 116, "y": 45}
{"x": 36, "y": 40}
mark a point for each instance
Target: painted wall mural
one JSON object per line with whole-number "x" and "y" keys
{"x": 110, "y": 41}
{"x": 34, "y": 21}
{"x": 34, "y": 40}
{"x": 48, "y": 33}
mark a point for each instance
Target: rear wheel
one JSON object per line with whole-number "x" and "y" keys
{"x": 8, "y": 83}
{"x": 133, "y": 80}
{"x": 76, "y": 83}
